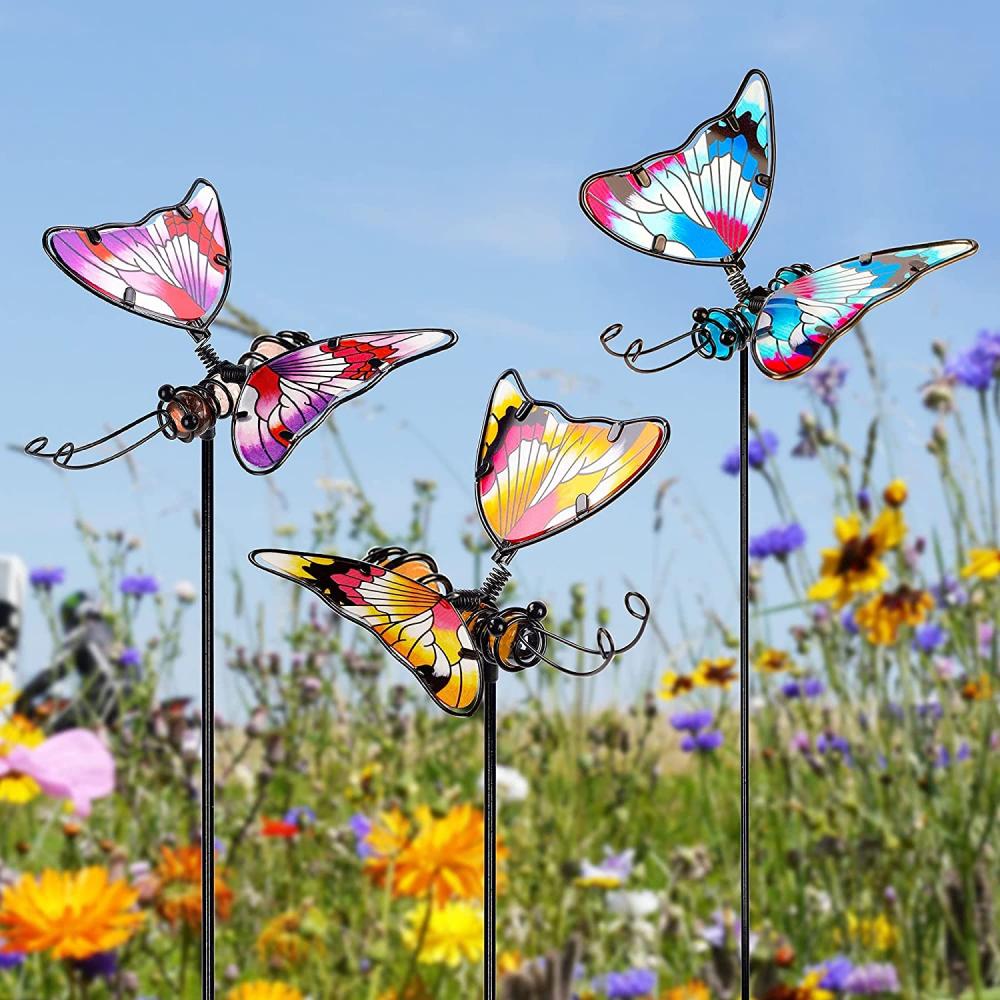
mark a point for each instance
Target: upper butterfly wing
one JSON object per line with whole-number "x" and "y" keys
{"x": 541, "y": 471}
{"x": 172, "y": 265}
{"x": 801, "y": 320}
{"x": 417, "y": 624}
{"x": 289, "y": 395}
{"x": 702, "y": 202}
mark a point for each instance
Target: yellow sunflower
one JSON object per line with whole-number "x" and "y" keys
{"x": 718, "y": 672}
{"x": 18, "y": 731}
{"x": 856, "y": 567}
{"x": 72, "y": 914}
{"x": 450, "y": 934}
{"x": 983, "y": 563}
{"x": 773, "y": 661}
{"x": 673, "y": 685}
{"x": 261, "y": 989}
{"x": 882, "y": 616}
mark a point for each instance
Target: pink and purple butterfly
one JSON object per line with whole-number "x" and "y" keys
{"x": 174, "y": 266}
{"x": 702, "y": 203}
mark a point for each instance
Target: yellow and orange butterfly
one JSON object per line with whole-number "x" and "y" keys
{"x": 539, "y": 472}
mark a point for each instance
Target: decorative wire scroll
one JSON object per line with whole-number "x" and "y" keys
{"x": 637, "y": 349}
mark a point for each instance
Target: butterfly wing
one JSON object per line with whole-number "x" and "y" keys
{"x": 801, "y": 320}
{"x": 418, "y": 625}
{"x": 172, "y": 266}
{"x": 288, "y": 396}
{"x": 702, "y": 202}
{"x": 541, "y": 471}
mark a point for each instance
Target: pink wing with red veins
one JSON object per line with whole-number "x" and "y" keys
{"x": 287, "y": 397}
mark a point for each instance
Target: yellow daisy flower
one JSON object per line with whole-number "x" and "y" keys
{"x": 178, "y": 886}
{"x": 983, "y": 563}
{"x": 673, "y": 685}
{"x": 261, "y": 989}
{"x": 291, "y": 937}
{"x": 773, "y": 661}
{"x": 876, "y": 933}
{"x": 883, "y": 615}
{"x": 18, "y": 731}
{"x": 978, "y": 688}
{"x": 855, "y": 567}
{"x": 73, "y": 914}
{"x": 453, "y": 934}
{"x": 720, "y": 672}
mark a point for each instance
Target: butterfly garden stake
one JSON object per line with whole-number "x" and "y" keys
{"x": 174, "y": 266}
{"x": 702, "y": 203}
{"x": 539, "y": 472}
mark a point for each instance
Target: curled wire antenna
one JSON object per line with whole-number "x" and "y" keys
{"x": 701, "y": 344}
{"x": 183, "y": 413}
{"x": 526, "y": 645}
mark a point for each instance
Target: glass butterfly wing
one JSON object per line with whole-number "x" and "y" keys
{"x": 173, "y": 265}
{"x": 289, "y": 395}
{"x": 541, "y": 471}
{"x": 800, "y": 321}
{"x": 415, "y": 623}
{"x": 703, "y": 202}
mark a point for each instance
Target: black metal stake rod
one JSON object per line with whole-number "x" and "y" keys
{"x": 208, "y": 715}
{"x": 744, "y": 678}
{"x": 490, "y": 836}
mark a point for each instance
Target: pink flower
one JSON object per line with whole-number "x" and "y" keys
{"x": 73, "y": 765}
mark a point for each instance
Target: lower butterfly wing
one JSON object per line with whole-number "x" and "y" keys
{"x": 800, "y": 321}
{"x": 541, "y": 471}
{"x": 416, "y": 624}
{"x": 702, "y": 202}
{"x": 287, "y": 397}
{"x": 171, "y": 266}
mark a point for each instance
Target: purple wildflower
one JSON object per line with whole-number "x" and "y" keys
{"x": 778, "y": 542}
{"x": 301, "y": 816}
{"x": 864, "y": 499}
{"x": 974, "y": 368}
{"x": 800, "y": 743}
{"x": 835, "y": 973}
{"x": 872, "y": 979}
{"x": 927, "y": 638}
{"x": 10, "y": 959}
{"x": 827, "y": 381}
{"x": 692, "y": 722}
{"x": 831, "y": 743}
{"x": 986, "y": 631}
{"x": 758, "y": 450}
{"x": 943, "y": 758}
{"x": 811, "y": 687}
{"x": 848, "y": 623}
{"x": 949, "y": 593}
{"x": 102, "y": 964}
{"x": 46, "y": 577}
{"x": 361, "y": 827}
{"x": 130, "y": 657}
{"x": 139, "y": 586}
{"x": 703, "y": 742}
{"x": 631, "y": 983}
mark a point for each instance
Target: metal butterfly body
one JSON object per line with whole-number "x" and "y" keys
{"x": 174, "y": 266}
{"x": 702, "y": 203}
{"x": 539, "y": 472}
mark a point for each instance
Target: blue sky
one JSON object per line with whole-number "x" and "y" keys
{"x": 417, "y": 164}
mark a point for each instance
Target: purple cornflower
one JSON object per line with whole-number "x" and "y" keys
{"x": 130, "y": 657}
{"x": 943, "y": 758}
{"x": 301, "y": 816}
{"x": 826, "y": 382}
{"x": 138, "y": 586}
{"x": 703, "y": 742}
{"x": 811, "y": 687}
{"x": 361, "y": 827}
{"x": 46, "y": 577}
{"x": 779, "y": 542}
{"x": 974, "y": 368}
{"x": 864, "y": 499}
{"x": 847, "y": 621}
{"x": 10, "y": 959}
{"x": 835, "y": 973}
{"x": 927, "y": 638}
{"x": 949, "y": 593}
{"x": 930, "y": 710}
{"x": 631, "y": 983}
{"x": 692, "y": 722}
{"x": 831, "y": 743}
{"x": 872, "y": 979}
{"x": 758, "y": 450}
{"x": 718, "y": 933}
{"x": 103, "y": 964}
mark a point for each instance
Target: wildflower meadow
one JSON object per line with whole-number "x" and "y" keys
{"x": 350, "y": 833}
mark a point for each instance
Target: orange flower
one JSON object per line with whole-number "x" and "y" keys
{"x": 73, "y": 914}
{"x": 279, "y": 828}
{"x": 978, "y": 688}
{"x": 895, "y": 493}
{"x": 883, "y": 615}
{"x": 695, "y": 989}
{"x": 261, "y": 989}
{"x": 178, "y": 887}
{"x": 443, "y": 859}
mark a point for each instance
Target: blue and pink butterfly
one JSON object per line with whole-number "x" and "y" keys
{"x": 703, "y": 202}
